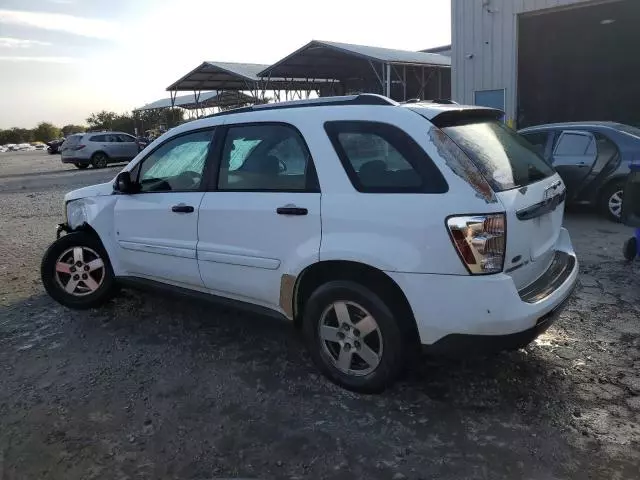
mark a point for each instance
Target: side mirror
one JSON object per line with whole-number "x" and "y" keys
{"x": 123, "y": 183}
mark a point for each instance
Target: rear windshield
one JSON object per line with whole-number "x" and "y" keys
{"x": 504, "y": 158}
{"x": 628, "y": 129}
{"x": 71, "y": 139}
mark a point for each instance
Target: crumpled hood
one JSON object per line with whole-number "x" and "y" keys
{"x": 98, "y": 190}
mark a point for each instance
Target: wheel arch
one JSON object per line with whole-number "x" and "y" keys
{"x": 609, "y": 183}
{"x": 100, "y": 151}
{"x": 373, "y": 278}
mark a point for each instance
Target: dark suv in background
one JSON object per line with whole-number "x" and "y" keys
{"x": 591, "y": 157}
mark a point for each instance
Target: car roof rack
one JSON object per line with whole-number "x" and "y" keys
{"x": 443, "y": 101}
{"x": 360, "y": 99}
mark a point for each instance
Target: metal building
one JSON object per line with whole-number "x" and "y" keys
{"x": 548, "y": 60}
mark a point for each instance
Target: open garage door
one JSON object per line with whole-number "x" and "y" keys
{"x": 580, "y": 64}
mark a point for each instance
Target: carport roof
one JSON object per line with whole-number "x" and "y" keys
{"x": 230, "y": 76}
{"x": 206, "y": 100}
{"x": 323, "y": 59}
{"x": 220, "y": 76}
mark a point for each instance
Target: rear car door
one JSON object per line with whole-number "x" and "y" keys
{"x": 574, "y": 156}
{"x": 129, "y": 146}
{"x": 263, "y": 218}
{"x": 157, "y": 228}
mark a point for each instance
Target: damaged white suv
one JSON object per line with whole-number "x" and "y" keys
{"x": 375, "y": 226}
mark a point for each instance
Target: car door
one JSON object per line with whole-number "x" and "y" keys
{"x": 129, "y": 146}
{"x": 157, "y": 228}
{"x": 574, "y": 155}
{"x": 263, "y": 219}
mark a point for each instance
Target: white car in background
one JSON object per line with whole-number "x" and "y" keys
{"x": 376, "y": 227}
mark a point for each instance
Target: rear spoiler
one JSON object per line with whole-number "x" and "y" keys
{"x": 454, "y": 117}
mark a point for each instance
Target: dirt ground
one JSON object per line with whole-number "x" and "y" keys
{"x": 164, "y": 388}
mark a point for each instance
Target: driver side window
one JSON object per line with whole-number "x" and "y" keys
{"x": 177, "y": 165}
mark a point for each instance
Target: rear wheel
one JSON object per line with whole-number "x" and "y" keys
{"x": 76, "y": 271}
{"x": 99, "y": 160}
{"x": 611, "y": 201}
{"x": 81, "y": 166}
{"x": 353, "y": 337}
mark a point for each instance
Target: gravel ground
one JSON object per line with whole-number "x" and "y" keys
{"x": 154, "y": 387}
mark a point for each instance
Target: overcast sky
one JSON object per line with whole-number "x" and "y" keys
{"x": 63, "y": 59}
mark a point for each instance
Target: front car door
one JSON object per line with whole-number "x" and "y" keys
{"x": 574, "y": 156}
{"x": 157, "y": 228}
{"x": 263, "y": 219}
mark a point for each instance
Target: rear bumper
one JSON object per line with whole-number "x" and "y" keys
{"x": 457, "y": 344}
{"x": 456, "y": 311}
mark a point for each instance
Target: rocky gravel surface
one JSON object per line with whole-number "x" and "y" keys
{"x": 165, "y": 388}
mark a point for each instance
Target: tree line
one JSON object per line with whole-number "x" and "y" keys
{"x": 104, "y": 120}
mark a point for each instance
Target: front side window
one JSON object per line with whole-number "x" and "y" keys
{"x": 177, "y": 165}
{"x": 538, "y": 140}
{"x": 98, "y": 138}
{"x": 125, "y": 138}
{"x": 381, "y": 158}
{"x": 505, "y": 159}
{"x": 265, "y": 157}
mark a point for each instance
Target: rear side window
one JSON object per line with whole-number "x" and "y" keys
{"x": 503, "y": 157}
{"x": 381, "y": 158}
{"x": 97, "y": 138}
{"x": 573, "y": 144}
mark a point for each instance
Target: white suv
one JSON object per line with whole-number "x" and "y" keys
{"x": 375, "y": 226}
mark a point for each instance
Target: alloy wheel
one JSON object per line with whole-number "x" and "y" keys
{"x": 351, "y": 338}
{"x": 79, "y": 271}
{"x": 615, "y": 204}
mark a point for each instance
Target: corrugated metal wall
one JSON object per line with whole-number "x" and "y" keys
{"x": 487, "y": 31}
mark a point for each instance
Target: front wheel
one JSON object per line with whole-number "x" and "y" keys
{"x": 76, "y": 271}
{"x": 611, "y": 202}
{"x": 353, "y": 337}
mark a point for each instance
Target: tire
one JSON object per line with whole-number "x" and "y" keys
{"x": 57, "y": 271}
{"x": 630, "y": 249}
{"x": 99, "y": 160}
{"x": 388, "y": 341}
{"x": 81, "y": 166}
{"x": 612, "y": 195}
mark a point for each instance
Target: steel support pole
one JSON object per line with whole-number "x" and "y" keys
{"x": 404, "y": 81}
{"x": 388, "y": 79}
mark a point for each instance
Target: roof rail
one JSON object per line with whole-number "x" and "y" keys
{"x": 360, "y": 99}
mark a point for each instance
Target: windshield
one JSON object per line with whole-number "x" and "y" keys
{"x": 506, "y": 159}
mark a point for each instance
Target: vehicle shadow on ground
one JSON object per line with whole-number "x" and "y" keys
{"x": 253, "y": 375}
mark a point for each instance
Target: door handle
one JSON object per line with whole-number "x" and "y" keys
{"x": 292, "y": 211}
{"x": 182, "y": 208}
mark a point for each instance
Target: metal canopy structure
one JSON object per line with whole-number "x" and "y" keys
{"x": 205, "y": 100}
{"x": 398, "y": 74}
{"x": 237, "y": 77}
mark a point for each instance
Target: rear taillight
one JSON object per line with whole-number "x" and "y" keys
{"x": 480, "y": 241}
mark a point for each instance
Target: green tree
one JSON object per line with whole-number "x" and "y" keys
{"x": 45, "y": 132}
{"x": 71, "y": 129}
{"x": 101, "y": 120}
{"x": 16, "y": 135}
